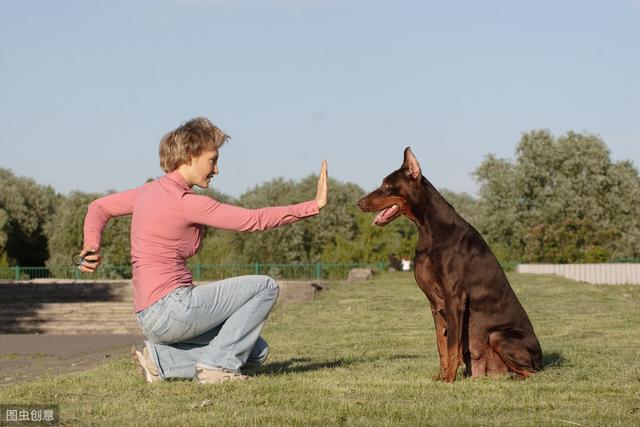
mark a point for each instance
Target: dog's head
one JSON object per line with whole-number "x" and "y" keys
{"x": 393, "y": 198}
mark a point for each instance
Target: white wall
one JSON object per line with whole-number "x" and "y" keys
{"x": 606, "y": 274}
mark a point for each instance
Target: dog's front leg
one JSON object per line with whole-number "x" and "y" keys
{"x": 441, "y": 339}
{"x": 455, "y": 309}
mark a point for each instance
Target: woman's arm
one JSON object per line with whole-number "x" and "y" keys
{"x": 99, "y": 212}
{"x": 205, "y": 210}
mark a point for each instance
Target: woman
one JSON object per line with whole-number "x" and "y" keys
{"x": 208, "y": 332}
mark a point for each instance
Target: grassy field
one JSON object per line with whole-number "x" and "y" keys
{"x": 365, "y": 354}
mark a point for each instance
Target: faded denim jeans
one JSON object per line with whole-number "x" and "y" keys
{"x": 216, "y": 325}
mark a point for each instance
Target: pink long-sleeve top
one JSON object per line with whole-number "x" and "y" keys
{"x": 166, "y": 229}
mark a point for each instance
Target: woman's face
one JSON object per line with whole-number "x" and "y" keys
{"x": 203, "y": 168}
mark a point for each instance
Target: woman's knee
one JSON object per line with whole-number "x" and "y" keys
{"x": 270, "y": 284}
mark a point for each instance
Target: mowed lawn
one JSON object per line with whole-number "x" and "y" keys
{"x": 365, "y": 354}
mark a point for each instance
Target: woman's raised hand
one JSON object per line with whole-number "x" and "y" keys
{"x": 321, "y": 196}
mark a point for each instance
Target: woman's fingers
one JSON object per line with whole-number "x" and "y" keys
{"x": 90, "y": 260}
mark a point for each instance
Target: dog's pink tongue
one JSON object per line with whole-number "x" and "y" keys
{"x": 385, "y": 215}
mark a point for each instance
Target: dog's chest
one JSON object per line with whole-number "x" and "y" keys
{"x": 428, "y": 279}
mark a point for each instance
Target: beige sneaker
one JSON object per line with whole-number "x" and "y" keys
{"x": 217, "y": 376}
{"x": 145, "y": 364}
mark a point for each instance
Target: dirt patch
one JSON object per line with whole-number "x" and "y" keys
{"x": 26, "y": 357}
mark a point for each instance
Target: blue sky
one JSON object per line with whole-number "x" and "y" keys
{"x": 88, "y": 88}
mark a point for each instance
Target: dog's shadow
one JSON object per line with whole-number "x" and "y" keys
{"x": 552, "y": 360}
{"x": 302, "y": 364}
{"x": 296, "y": 365}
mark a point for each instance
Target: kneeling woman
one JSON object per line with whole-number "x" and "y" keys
{"x": 210, "y": 331}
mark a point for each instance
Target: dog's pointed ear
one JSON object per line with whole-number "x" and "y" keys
{"x": 411, "y": 164}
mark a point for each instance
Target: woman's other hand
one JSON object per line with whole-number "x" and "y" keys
{"x": 90, "y": 260}
{"x": 321, "y": 196}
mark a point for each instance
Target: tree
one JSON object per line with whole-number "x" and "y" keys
{"x": 569, "y": 241}
{"x": 4, "y": 217}
{"x": 622, "y": 200}
{"x": 498, "y": 214}
{"x": 27, "y": 207}
{"x": 563, "y": 200}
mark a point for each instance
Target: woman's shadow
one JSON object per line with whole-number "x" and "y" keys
{"x": 305, "y": 364}
{"x": 296, "y": 365}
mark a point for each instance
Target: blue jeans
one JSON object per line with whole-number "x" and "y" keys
{"x": 216, "y": 325}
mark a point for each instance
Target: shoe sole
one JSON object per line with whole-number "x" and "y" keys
{"x": 140, "y": 363}
{"x": 226, "y": 377}
{"x": 222, "y": 380}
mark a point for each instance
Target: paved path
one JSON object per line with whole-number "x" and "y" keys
{"x": 25, "y": 357}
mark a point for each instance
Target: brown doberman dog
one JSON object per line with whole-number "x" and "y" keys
{"x": 479, "y": 320}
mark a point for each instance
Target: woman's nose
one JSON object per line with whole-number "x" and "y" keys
{"x": 216, "y": 171}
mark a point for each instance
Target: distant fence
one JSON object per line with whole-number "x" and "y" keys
{"x": 618, "y": 273}
{"x": 201, "y": 272}
{"x": 605, "y": 274}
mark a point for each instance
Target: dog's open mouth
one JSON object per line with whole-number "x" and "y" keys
{"x": 386, "y": 215}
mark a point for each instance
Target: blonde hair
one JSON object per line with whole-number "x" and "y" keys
{"x": 190, "y": 139}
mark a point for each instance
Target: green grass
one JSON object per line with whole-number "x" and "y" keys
{"x": 365, "y": 354}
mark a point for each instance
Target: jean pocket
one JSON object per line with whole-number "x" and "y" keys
{"x": 181, "y": 296}
{"x": 172, "y": 327}
{"x": 148, "y": 317}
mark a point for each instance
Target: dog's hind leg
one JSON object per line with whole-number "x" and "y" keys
{"x": 513, "y": 347}
{"x": 494, "y": 364}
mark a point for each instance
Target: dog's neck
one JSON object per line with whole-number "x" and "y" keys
{"x": 433, "y": 215}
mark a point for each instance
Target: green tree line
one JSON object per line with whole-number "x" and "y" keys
{"x": 562, "y": 199}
